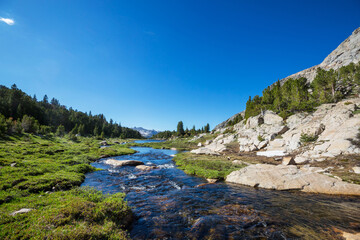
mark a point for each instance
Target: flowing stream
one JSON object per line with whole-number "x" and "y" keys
{"x": 169, "y": 204}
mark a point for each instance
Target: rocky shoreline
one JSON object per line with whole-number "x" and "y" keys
{"x": 298, "y": 143}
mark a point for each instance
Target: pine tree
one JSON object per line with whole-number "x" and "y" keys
{"x": 45, "y": 99}
{"x": 207, "y": 128}
{"x": 96, "y": 131}
{"x": 60, "y": 131}
{"x": 180, "y": 129}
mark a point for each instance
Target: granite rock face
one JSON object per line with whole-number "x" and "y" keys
{"x": 347, "y": 52}
{"x": 289, "y": 177}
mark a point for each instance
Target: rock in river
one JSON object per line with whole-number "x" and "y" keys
{"x": 120, "y": 163}
{"x": 145, "y": 168}
{"x": 289, "y": 177}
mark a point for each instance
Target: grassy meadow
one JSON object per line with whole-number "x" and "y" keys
{"x": 44, "y": 174}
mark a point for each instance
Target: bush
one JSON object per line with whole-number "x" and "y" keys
{"x": 229, "y": 130}
{"x": 260, "y": 138}
{"x": 305, "y": 138}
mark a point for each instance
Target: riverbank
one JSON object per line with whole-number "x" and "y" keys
{"x": 169, "y": 204}
{"x": 39, "y": 177}
{"x": 180, "y": 144}
{"x": 331, "y": 176}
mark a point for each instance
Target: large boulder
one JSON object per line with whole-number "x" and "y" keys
{"x": 282, "y": 177}
{"x": 204, "y": 150}
{"x": 253, "y": 122}
{"x": 272, "y": 118}
{"x": 121, "y": 163}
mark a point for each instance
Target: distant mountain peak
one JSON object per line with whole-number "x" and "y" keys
{"x": 145, "y": 132}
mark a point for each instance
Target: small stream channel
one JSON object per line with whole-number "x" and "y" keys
{"x": 169, "y": 204}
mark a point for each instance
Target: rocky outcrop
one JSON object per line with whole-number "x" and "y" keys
{"x": 347, "y": 52}
{"x": 224, "y": 123}
{"x": 121, "y": 163}
{"x": 332, "y": 126}
{"x": 282, "y": 177}
{"x": 218, "y": 145}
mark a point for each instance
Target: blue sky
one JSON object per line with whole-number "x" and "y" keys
{"x": 154, "y": 63}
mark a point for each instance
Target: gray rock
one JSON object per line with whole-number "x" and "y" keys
{"x": 288, "y": 161}
{"x": 121, "y": 163}
{"x": 356, "y": 170}
{"x": 282, "y": 177}
{"x": 272, "y": 118}
{"x": 23, "y": 210}
{"x": 145, "y": 167}
{"x": 204, "y": 150}
{"x": 301, "y": 160}
{"x": 240, "y": 162}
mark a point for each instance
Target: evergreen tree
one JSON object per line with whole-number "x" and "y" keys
{"x": 96, "y": 131}
{"x": 60, "y": 131}
{"x": 207, "y": 128}
{"x": 180, "y": 129}
{"x": 45, "y": 99}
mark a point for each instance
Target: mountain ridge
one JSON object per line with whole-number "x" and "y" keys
{"x": 146, "y": 133}
{"x": 347, "y": 52}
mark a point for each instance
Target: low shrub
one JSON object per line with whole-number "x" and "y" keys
{"x": 260, "y": 138}
{"x": 305, "y": 138}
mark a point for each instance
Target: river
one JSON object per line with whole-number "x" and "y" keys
{"x": 169, "y": 204}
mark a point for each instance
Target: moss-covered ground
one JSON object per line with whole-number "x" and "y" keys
{"x": 214, "y": 167}
{"x": 43, "y": 174}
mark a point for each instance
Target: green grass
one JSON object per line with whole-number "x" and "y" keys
{"x": 181, "y": 144}
{"x": 81, "y": 213}
{"x": 43, "y": 165}
{"x": 216, "y": 167}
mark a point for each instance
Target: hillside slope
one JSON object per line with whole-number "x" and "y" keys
{"x": 347, "y": 52}
{"x": 321, "y": 140}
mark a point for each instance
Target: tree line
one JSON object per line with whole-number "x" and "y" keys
{"x": 181, "y": 132}
{"x": 20, "y": 112}
{"x": 297, "y": 95}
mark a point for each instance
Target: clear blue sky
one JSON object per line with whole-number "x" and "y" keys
{"x": 153, "y": 63}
